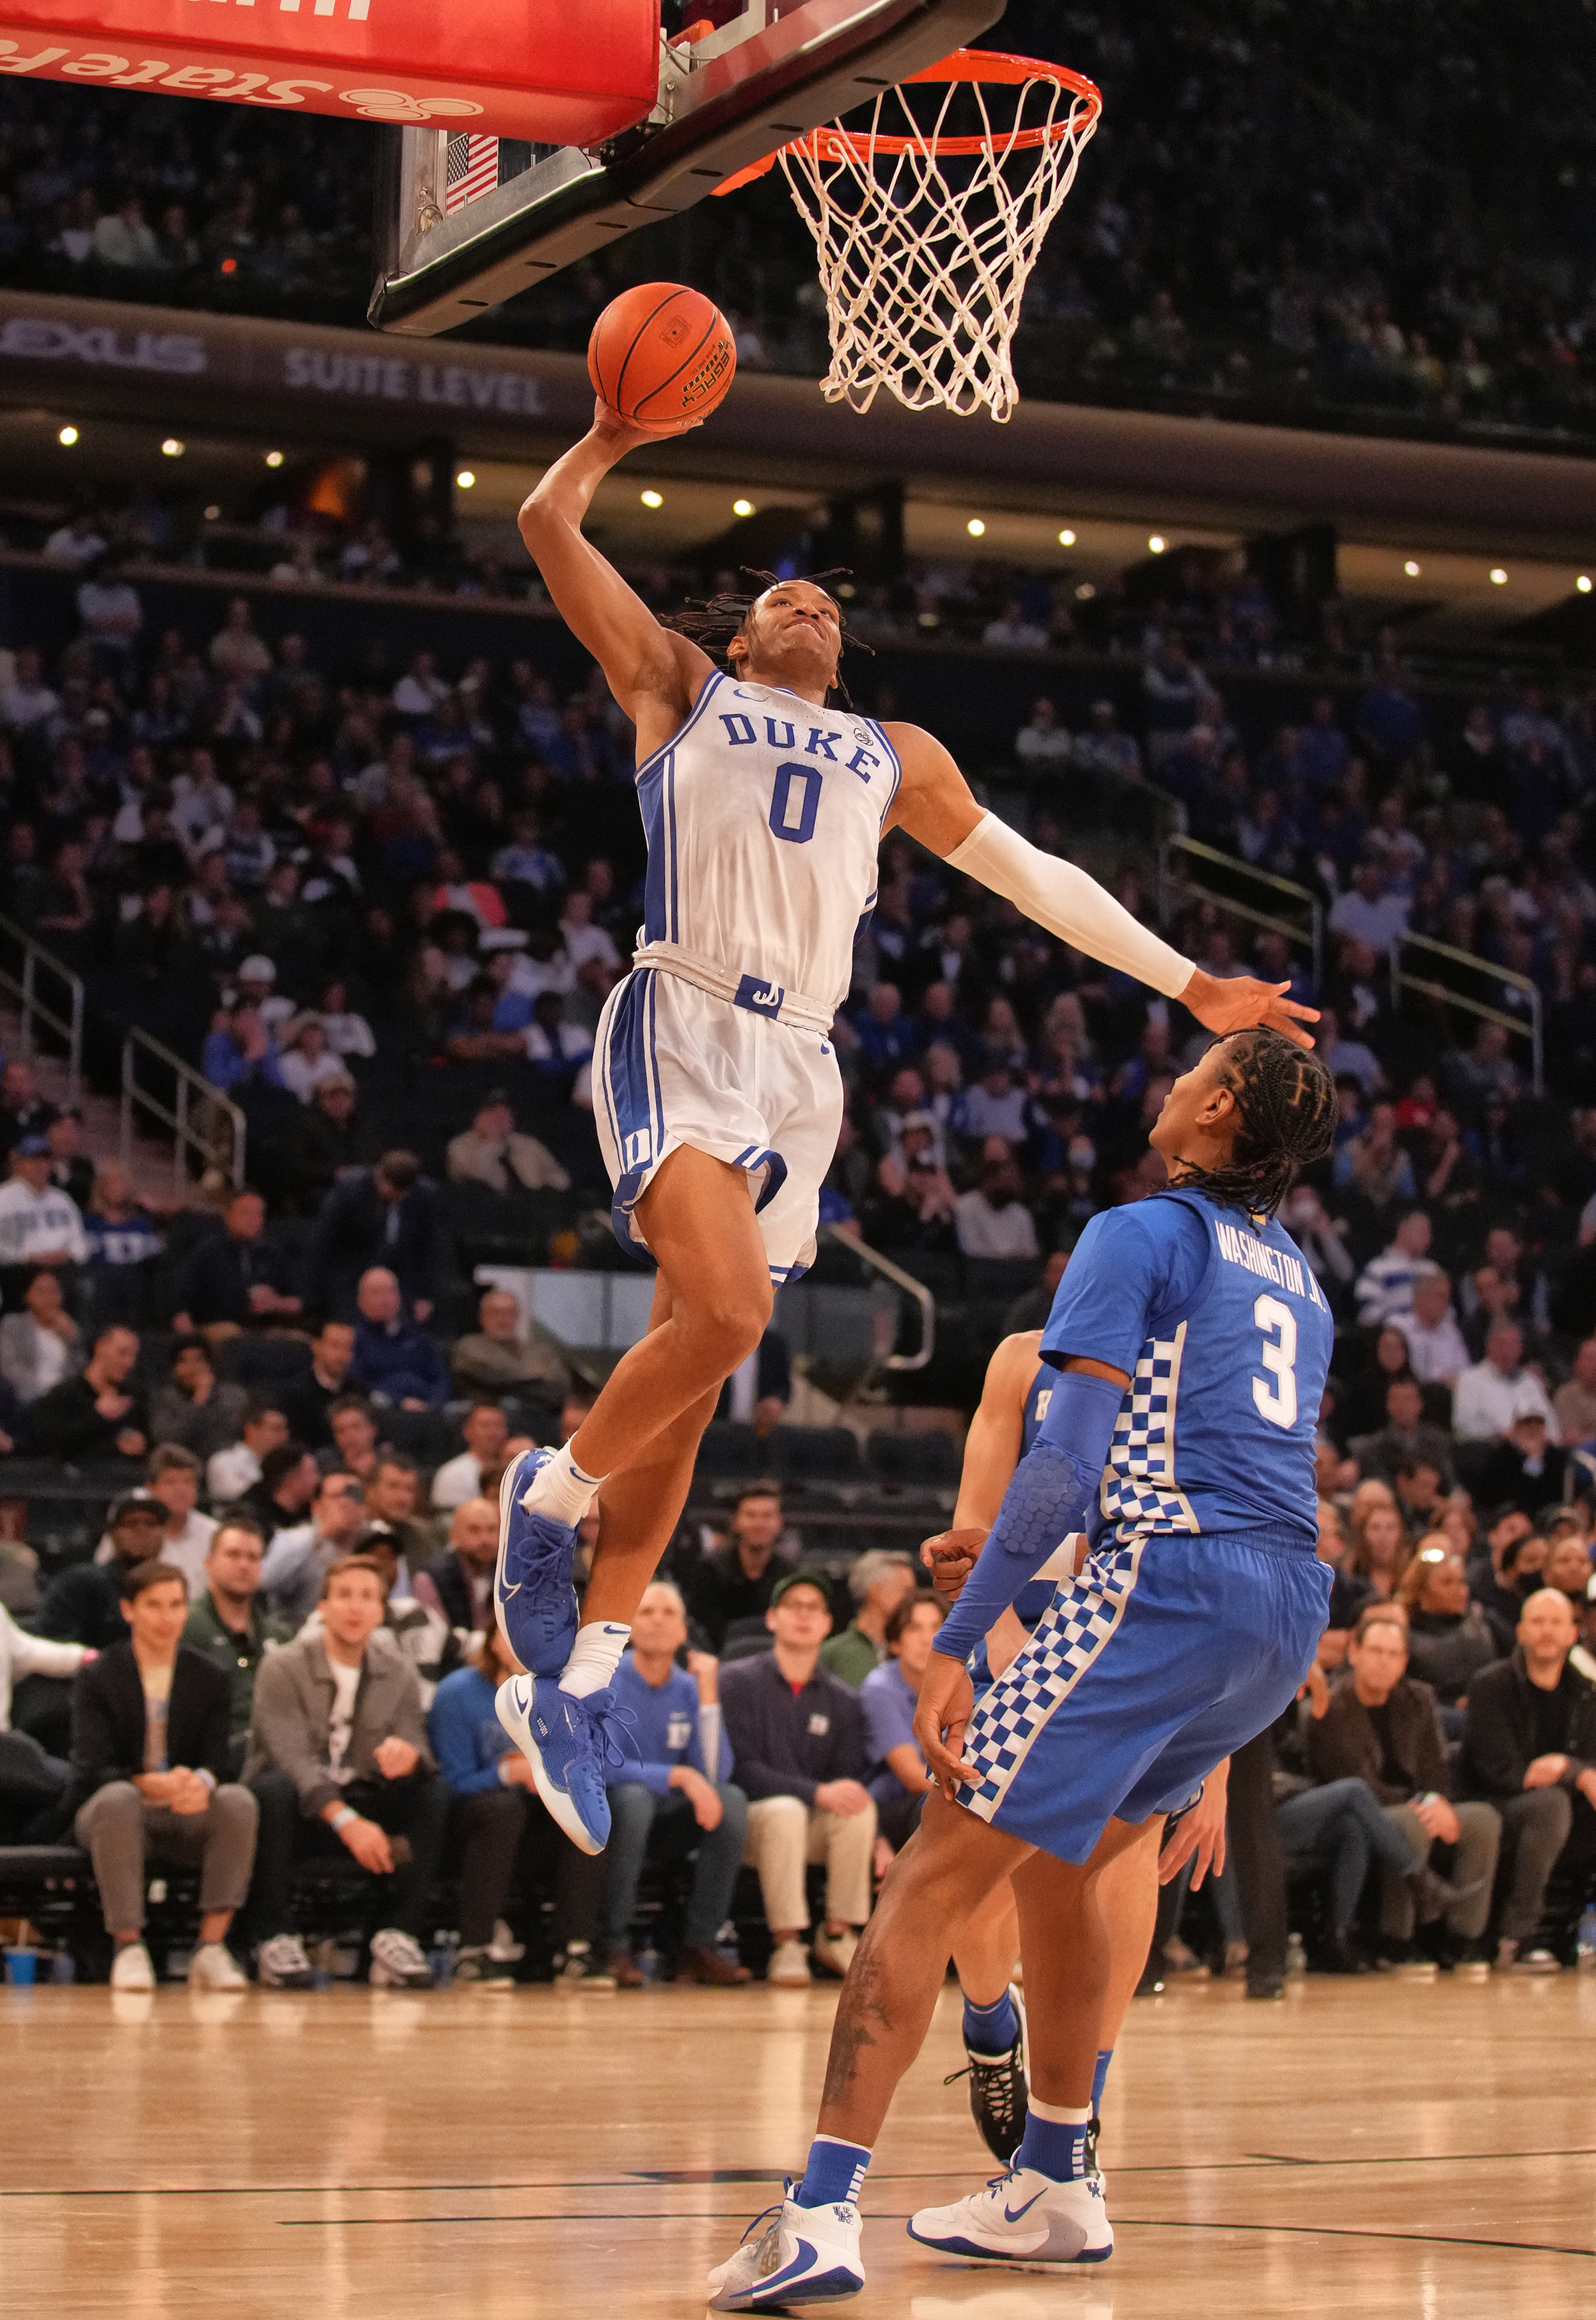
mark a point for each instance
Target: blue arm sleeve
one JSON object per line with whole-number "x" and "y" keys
{"x": 1053, "y": 1486}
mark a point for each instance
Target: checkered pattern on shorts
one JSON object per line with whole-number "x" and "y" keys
{"x": 1066, "y": 1639}
{"x": 1141, "y": 1455}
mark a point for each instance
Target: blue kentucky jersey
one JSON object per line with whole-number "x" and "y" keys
{"x": 1226, "y": 1338}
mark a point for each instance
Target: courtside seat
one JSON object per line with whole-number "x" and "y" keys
{"x": 264, "y": 1364}
{"x": 730, "y": 1453}
{"x": 919, "y": 1458}
{"x": 808, "y": 1455}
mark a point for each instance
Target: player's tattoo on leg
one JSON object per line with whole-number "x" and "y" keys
{"x": 862, "y": 2012}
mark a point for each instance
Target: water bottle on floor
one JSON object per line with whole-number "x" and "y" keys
{"x": 1296, "y": 1960}
{"x": 1585, "y": 1951}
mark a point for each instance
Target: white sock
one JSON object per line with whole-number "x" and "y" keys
{"x": 561, "y": 1489}
{"x": 595, "y": 1657}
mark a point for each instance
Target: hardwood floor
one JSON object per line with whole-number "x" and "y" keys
{"x": 1426, "y": 2151}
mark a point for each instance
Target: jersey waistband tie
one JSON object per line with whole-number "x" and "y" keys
{"x": 755, "y": 992}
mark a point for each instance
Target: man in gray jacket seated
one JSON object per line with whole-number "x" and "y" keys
{"x": 339, "y": 1762}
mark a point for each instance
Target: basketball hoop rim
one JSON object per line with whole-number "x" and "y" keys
{"x": 976, "y": 65}
{"x": 979, "y": 66}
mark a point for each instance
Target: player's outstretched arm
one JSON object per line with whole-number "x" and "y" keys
{"x": 655, "y": 677}
{"x": 934, "y": 804}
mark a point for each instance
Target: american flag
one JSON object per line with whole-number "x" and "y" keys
{"x": 472, "y": 170}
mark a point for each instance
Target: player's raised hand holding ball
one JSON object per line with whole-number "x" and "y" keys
{"x": 661, "y": 358}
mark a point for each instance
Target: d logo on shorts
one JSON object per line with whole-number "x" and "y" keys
{"x": 759, "y": 998}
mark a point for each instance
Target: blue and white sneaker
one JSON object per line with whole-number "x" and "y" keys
{"x": 568, "y": 1742}
{"x": 1025, "y": 2218}
{"x": 533, "y": 1594}
{"x": 801, "y": 2255}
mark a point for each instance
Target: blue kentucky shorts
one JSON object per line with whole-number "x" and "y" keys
{"x": 1160, "y": 1659}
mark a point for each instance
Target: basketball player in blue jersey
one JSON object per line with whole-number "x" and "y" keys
{"x": 717, "y": 1096}
{"x": 1191, "y": 1344}
{"x": 1015, "y": 1397}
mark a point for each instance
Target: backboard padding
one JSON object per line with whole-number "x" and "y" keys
{"x": 816, "y": 62}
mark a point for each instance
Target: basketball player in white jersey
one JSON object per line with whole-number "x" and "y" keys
{"x": 717, "y": 1094}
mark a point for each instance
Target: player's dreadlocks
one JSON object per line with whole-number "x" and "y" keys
{"x": 1285, "y": 1116}
{"x": 714, "y": 622}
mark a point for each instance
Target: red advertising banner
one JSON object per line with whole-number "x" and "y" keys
{"x": 562, "y": 75}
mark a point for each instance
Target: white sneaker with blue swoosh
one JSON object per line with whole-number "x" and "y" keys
{"x": 792, "y": 2255}
{"x": 1024, "y": 2218}
{"x": 534, "y": 1600}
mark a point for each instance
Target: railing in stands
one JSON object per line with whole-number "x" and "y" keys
{"x": 1525, "y": 1021}
{"x": 32, "y": 962}
{"x": 906, "y": 1281}
{"x": 200, "y": 1118}
{"x": 1260, "y": 896}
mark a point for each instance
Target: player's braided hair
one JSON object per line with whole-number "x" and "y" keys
{"x": 717, "y": 620}
{"x": 1285, "y": 1116}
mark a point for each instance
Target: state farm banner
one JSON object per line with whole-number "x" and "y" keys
{"x": 560, "y": 74}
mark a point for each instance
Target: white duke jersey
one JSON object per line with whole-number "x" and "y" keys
{"x": 763, "y": 817}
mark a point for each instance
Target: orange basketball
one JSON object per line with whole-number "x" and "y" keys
{"x": 661, "y": 352}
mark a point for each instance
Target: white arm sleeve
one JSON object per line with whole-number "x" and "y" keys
{"x": 1069, "y": 904}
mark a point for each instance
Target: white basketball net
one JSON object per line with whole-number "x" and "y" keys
{"x": 924, "y": 254}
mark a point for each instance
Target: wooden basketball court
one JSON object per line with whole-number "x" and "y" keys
{"x": 1399, "y": 2149}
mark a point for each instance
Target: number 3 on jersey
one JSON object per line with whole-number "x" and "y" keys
{"x": 794, "y": 801}
{"x": 1277, "y": 1402}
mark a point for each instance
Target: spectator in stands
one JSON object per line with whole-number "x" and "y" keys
{"x": 1524, "y": 1469}
{"x": 1529, "y": 1748}
{"x": 325, "y": 1142}
{"x": 173, "y": 1476}
{"x": 234, "y": 1280}
{"x": 39, "y": 1223}
{"x": 1435, "y": 1348}
{"x": 228, "y": 1624}
{"x": 308, "y": 1401}
{"x": 42, "y": 1343}
{"x": 887, "y": 1698}
{"x": 339, "y": 1756}
{"x": 236, "y": 652}
{"x": 288, "y": 1479}
{"x": 32, "y": 1782}
{"x": 95, "y": 1416}
{"x": 392, "y": 1496}
{"x": 760, "y": 1387}
{"x": 1420, "y": 1502}
{"x": 1380, "y": 1727}
{"x": 193, "y": 1407}
{"x": 386, "y": 1216}
{"x": 493, "y": 1151}
{"x": 1042, "y": 745}
{"x": 123, "y": 1242}
{"x": 736, "y": 1585}
{"x": 393, "y": 1357}
{"x": 300, "y": 1554}
{"x": 878, "y": 1582}
{"x": 355, "y": 1436}
{"x": 1404, "y": 1437}
{"x": 1450, "y": 1638}
{"x": 1385, "y": 1285}
{"x": 1371, "y": 912}
{"x": 1573, "y": 1405}
{"x": 486, "y": 1431}
{"x": 1493, "y": 1394}
{"x": 1374, "y": 1567}
{"x": 83, "y": 1602}
{"x": 677, "y": 1805}
{"x": 230, "y": 1472}
{"x": 495, "y": 1817}
{"x": 798, "y": 1755}
{"x": 503, "y": 1355}
{"x": 150, "y": 1780}
{"x": 70, "y": 1170}
{"x": 457, "y": 1584}
{"x": 994, "y": 1219}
